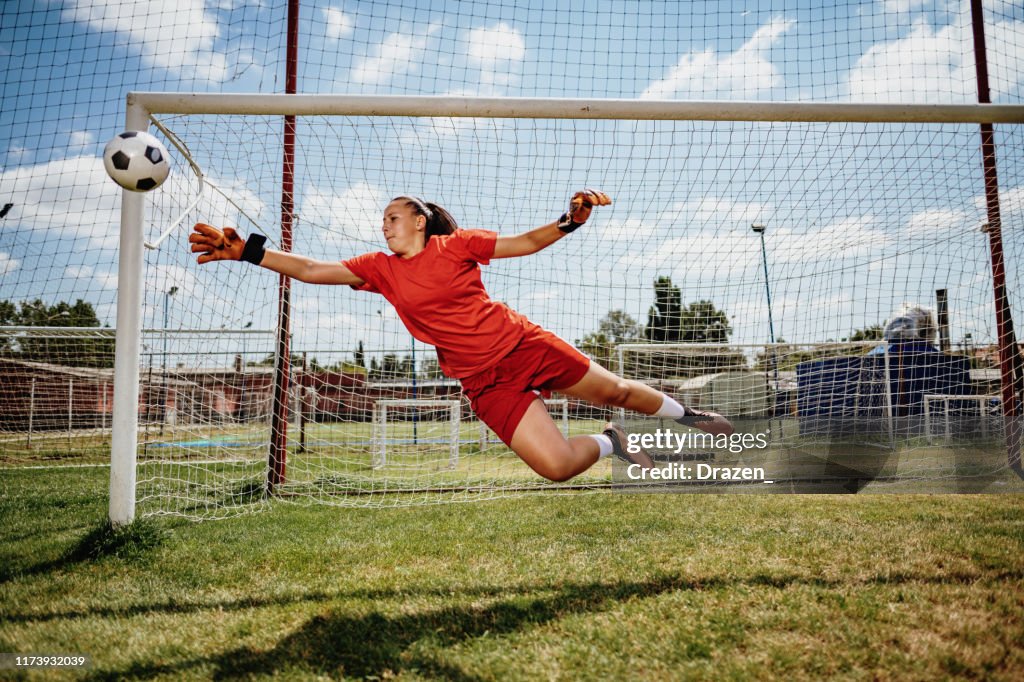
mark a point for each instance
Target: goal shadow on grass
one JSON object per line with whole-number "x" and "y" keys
{"x": 132, "y": 542}
{"x": 376, "y": 645}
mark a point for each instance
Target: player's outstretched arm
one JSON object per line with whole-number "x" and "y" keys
{"x": 213, "y": 244}
{"x": 580, "y": 206}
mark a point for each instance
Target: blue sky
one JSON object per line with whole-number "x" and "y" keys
{"x": 860, "y": 218}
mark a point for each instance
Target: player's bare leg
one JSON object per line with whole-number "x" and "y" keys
{"x": 540, "y": 444}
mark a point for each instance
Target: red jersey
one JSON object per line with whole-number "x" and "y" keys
{"x": 441, "y": 299}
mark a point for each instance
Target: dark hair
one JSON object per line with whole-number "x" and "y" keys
{"x": 439, "y": 221}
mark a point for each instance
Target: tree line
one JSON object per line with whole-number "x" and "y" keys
{"x": 75, "y": 351}
{"x": 668, "y": 321}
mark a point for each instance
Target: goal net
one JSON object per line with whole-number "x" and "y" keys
{"x": 793, "y": 329}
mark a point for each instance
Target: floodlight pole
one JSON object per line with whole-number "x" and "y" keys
{"x": 759, "y": 229}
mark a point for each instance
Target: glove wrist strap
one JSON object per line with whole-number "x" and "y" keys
{"x": 254, "y": 251}
{"x": 566, "y": 224}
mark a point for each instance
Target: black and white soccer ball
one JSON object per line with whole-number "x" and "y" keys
{"x": 136, "y": 160}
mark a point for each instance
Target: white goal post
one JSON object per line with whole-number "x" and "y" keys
{"x": 382, "y": 438}
{"x": 981, "y": 404}
{"x": 142, "y": 106}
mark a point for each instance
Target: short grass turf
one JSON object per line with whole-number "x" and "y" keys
{"x": 595, "y": 586}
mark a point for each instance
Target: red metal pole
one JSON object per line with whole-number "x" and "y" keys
{"x": 279, "y": 419}
{"x": 1012, "y": 376}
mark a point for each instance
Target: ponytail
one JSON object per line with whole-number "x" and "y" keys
{"x": 439, "y": 221}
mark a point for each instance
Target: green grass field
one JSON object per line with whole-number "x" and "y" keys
{"x": 594, "y": 586}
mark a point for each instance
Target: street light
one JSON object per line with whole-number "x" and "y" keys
{"x": 759, "y": 228}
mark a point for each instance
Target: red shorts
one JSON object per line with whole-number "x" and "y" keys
{"x": 541, "y": 362}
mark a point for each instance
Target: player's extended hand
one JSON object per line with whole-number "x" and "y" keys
{"x": 216, "y": 244}
{"x": 580, "y": 206}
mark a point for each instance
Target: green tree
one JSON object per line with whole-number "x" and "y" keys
{"x": 8, "y": 318}
{"x": 669, "y": 321}
{"x": 431, "y": 368}
{"x": 8, "y": 314}
{"x": 620, "y": 327}
{"x": 872, "y": 333}
{"x": 665, "y": 316}
{"x": 74, "y": 350}
{"x": 702, "y": 322}
{"x": 391, "y": 368}
{"x": 614, "y": 328}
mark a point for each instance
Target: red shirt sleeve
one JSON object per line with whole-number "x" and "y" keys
{"x": 473, "y": 245}
{"x": 367, "y": 268}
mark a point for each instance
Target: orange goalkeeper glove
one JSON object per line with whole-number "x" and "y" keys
{"x": 216, "y": 244}
{"x": 579, "y": 208}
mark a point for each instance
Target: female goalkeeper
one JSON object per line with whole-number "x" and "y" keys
{"x": 432, "y": 278}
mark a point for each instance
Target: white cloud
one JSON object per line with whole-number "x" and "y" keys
{"x": 932, "y": 64}
{"x": 15, "y": 154}
{"x": 1005, "y": 46}
{"x": 712, "y": 227}
{"x": 1010, "y": 200}
{"x": 82, "y": 138}
{"x": 936, "y": 223}
{"x": 70, "y": 198}
{"x": 903, "y": 5}
{"x": 719, "y": 212}
{"x": 848, "y": 237}
{"x": 337, "y": 24}
{"x": 101, "y": 279}
{"x": 73, "y": 198}
{"x": 215, "y": 208}
{"x": 473, "y": 130}
{"x": 8, "y": 264}
{"x": 178, "y": 37}
{"x": 743, "y": 74}
{"x": 492, "y": 44}
{"x": 723, "y": 244}
{"x": 400, "y": 53}
{"x": 927, "y": 65}
{"x": 616, "y": 229}
{"x": 354, "y": 214}
{"x": 496, "y": 50}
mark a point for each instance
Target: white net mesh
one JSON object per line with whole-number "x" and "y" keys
{"x": 859, "y": 220}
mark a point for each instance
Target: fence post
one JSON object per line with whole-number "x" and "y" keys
{"x": 71, "y": 394}
{"x": 31, "y": 410}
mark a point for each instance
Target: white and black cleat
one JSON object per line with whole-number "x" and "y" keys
{"x": 617, "y": 435}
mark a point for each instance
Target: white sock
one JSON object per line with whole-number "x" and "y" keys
{"x": 670, "y": 408}
{"x": 603, "y": 442}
